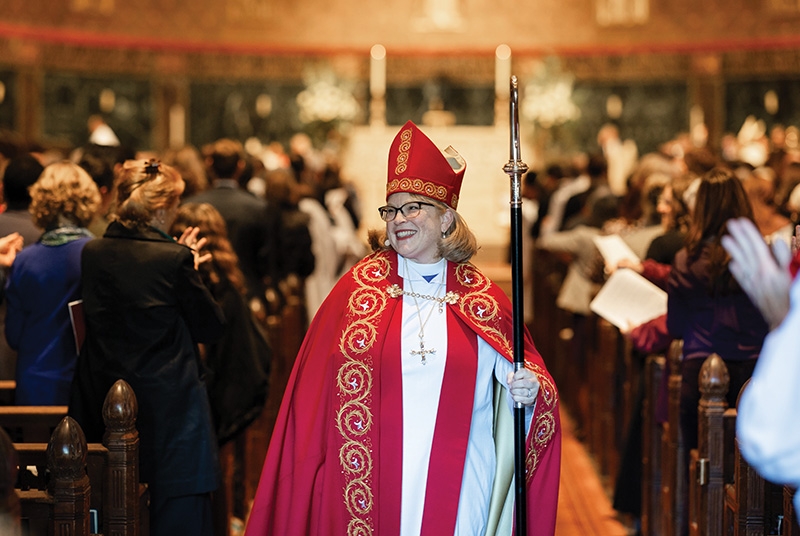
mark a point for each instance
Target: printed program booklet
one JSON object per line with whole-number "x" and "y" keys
{"x": 627, "y": 300}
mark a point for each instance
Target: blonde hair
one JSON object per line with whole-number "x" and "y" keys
{"x": 63, "y": 189}
{"x": 143, "y": 187}
{"x": 457, "y": 245}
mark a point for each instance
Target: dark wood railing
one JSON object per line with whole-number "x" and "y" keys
{"x": 63, "y": 481}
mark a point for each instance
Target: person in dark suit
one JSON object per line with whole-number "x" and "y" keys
{"x": 253, "y": 227}
{"x": 146, "y": 308}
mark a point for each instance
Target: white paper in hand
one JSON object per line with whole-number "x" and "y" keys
{"x": 613, "y": 249}
{"x": 627, "y": 300}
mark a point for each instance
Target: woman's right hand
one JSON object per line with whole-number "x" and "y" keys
{"x": 189, "y": 239}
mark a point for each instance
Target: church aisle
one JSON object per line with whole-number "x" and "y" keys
{"x": 584, "y": 508}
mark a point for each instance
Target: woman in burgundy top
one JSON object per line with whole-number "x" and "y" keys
{"x": 706, "y": 307}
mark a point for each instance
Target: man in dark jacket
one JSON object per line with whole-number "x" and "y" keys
{"x": 253, "y": 226}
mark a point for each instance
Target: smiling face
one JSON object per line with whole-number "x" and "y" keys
{"x": 417, "y": 238}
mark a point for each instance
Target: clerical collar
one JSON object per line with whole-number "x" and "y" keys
{"x": 429, "y": 273}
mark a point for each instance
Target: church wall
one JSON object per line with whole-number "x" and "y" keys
{"x": 215, "y": 59}
{"x": 424, "y": 26}
{"x": 235, "y": 67}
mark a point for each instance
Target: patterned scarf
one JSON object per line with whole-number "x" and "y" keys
{"x": 63, "y": 235}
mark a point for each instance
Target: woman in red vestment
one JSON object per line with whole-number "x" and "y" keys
{"x": 397, "y": 418}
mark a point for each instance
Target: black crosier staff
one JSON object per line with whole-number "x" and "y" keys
{"x": 516, "y": 168}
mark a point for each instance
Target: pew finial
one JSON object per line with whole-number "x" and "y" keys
{"x": 675, "y": 354}
{"x": 714, "y": 378}
{"x": 120, "y": 407}
{"x": 66, "y": 452}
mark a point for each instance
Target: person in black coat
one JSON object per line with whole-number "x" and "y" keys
{"x": 239, "y": 362}
{"x": 146, "y": 308}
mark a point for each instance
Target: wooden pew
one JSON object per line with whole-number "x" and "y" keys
{"x": 286, "y": 332}
{"x": 753, "y": 505}
{"x": 31, "y": 424}
{"x": 606, "y": 431}
{"x": 9, "y": 501}
{"x": 673, "y": 480}
{"x": 61, "y": 504}
{"x": 551, "y": 328}
{"x": 789, "y": 523}
{"x": 744, "y": 488}
{"x": 7, "y": 388}
{"x": 74, "y": 477}
{"x": 706, "y": 465}
{"x": 727, "y": 496}
{"x": 652, "y": 432}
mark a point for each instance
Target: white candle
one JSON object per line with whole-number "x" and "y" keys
{"x": 177, "y": 126}
{"x": 502, "y": 71}
{"x": 377, "y": 71}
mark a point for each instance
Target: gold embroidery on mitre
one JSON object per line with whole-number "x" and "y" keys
{"x": 417, "y": 186}
{"x": 354, "y": 380}
{"x": 403, "y": 150}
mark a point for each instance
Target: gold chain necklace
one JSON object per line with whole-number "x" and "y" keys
{"x": 450, "y": 297}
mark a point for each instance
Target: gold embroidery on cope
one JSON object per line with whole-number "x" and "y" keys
{"x": 354, "y": 418}
{"x": 544, "y": 428}
{"x": 479, "y": 305}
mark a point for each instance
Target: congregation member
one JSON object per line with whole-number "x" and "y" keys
{"x": 565, "y": 183}
{"x": 239, "y": 362}
{"x": 767, "y": 423}
{"x": 653, "y": 336}
{"x": 253, "y": 226}
{"x": 20, "y": 174}
{"x": 307, "y": 238}
{"x": 584, "y": 274}
{"x": 705, "y": 306}
{"x": 397, "y": 416}
{"x": 579, "y": 206}
{"x": 760, "y": 187}
{"x": 44, "y": 279}
{"x": 101, "y": 163}
{"x": 189, "y": 163}
{"x": 146, "y": 309}
{"x": 294, "y": 240}
{"x": 650, "y": 338}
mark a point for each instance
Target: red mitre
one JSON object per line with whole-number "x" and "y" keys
{"x": 417, "y": 166}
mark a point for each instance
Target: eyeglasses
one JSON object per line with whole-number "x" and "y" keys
{"x": 409, "y": 210}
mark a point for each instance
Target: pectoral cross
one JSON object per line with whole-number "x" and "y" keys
{"x": 423, "y": 352}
